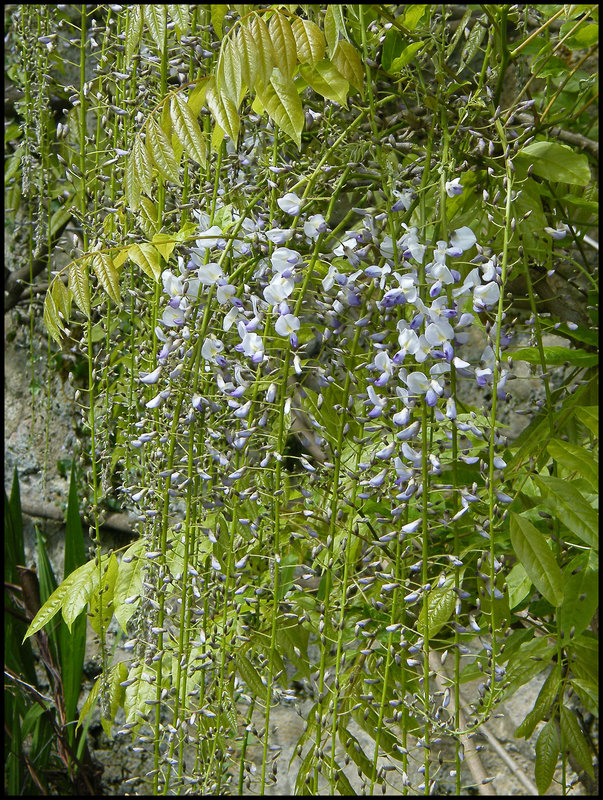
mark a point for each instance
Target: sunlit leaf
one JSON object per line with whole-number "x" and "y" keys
{"x": 107, "y": 275}
{"x": 285, "y": 51}
{"x": 571, "y": 507}
{"x": 155, "y": 16}
{"x": 147, "y": 258}
{"x": 229, "y": 80}
{"x": 179, "y": 14}
{"x": 133, "y": 30}
{"x": 108, "y": 585}
{"x": 160, "y": 150}
{"x": 79, "y": 284}
{"x": 326, "y": 81}
{"x": 347, "y": 62}
{"x": 265, "y": 58}
{"x": 187, "y": 129}
{"x": 282, "y": 103}
{"x": 575, "y": 739}
{"x": 224, "y": 112}
{"x": 309, "y": 41}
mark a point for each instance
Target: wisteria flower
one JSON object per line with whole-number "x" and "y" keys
{"x": 485, "y": 296}
{"x": 210, "y": 238}
{"x": 403, "y": 199}
{"x": 284, "y": 259}
{"x": 287, "y": 325}
{"x": 290, "y": 203}
{"x": 462, "y": 239}
{"x": 278, "y": 289}
{"x": 314, "y": 226}
{"x": 559, "y": 233}
{"x": 208, "y": 273}
{"x": 251, "y": 344}
{"x": 211, "y": 349}
{"x": 279, "y": 235}
{"x": 454, "y": 187}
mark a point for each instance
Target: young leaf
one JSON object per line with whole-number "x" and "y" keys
{"x": 51, "y": 318}
{"x": 575, "y": 740}
{"x": 90, "y": 701}
{"x": 133, "y": 30}
{"x": 117, "y": 694}
{"x": 107, "y": 588}
{"x": 547, "y": 752}
{"x": 79, "y": 286}
{"x": 518, "y": 584}
{"x": 196, "y": 99}
{"x": 155, "y": 16}
{"x": 309, "y": 41}
{"x": 440, "y": 605}
{"x": 143, "y": 165}
{"x": 285, "y": 51}
{"x": 281, "y": 101}
{"x": 248, "y": 56}
{"x": 81, "y": 584}
{"x": 224, "y": 112}
{"x": 107, "y": 275}
{"x": 148, "y": 216}
{"x": 187, "y": 129}
{"x": 347, "y": 62}
{"x": 537, "y": 558}
{"x": 165, "y": 244}
{"x": 128, "y": 584}
{"x": 571, "y": 507}
{"x": 229, "y": 79}
{"x": 326, "y": 81}
{"x": 218, "y": 11}
{"x": 142, "y": 689}
{"x": 589, "y": 417}
{"x": 65, "y": 591}
{"x": 62, "y": 300}
{"x": 264, "y": 49}
{"x": 147, "y": 258}
{"x": 160, "y": 150}
{"x": 333, "y": 26}
{"x": 179, "y": 14}
{"x": 132, "y": 185}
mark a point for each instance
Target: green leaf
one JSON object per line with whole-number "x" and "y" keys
{"x": 155, "y": 16}
{"x": 309, "y": 41}
{"x": 90, "y": 701}
{"x": 542, "y": 706}
{"x": 352, "y": 747}
{"x": 575, "y": 740}
{"x": 283, "y": 41}
{"x": 282, "y": 103}
{"x": 165, "y": 244}
{"x": 412, "y": 16}
{"x": 581, "y": 592}
{"x": 326, "y": 81}
{"x": 407, "y": 55}
{"x": 518, "y": 584}
{"x": 331, "y": 28}
{"x": 107, "y": 275}
{"x": 147, "y": 258}
{"x": 251, "y": 677}
{"x": 307, "y": 764}
{"x": 472, "y": 45}
{"x": 196, "y": 99}
{"x": 347, "y": 62}
{"x": 187, "y": 129}
{"x": 557, "y": 162}
{"x": 583, "y": 38}
{"x": 575, "y": 459}
{"x": 588, "y": 692}
{"x": 224, "y": 112}
{"x": 589, "y": 417}
{"x": 79, "y": 286}
{"x": 133, "y": 31}
{"x": 555, "y": 355}
{"x": 160, "y": 150}
{"x": 547, "y": 752}
{"x": 571, "y": 507}
{"x": 537, "y": 559}
{"x": 439, "y": 606}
